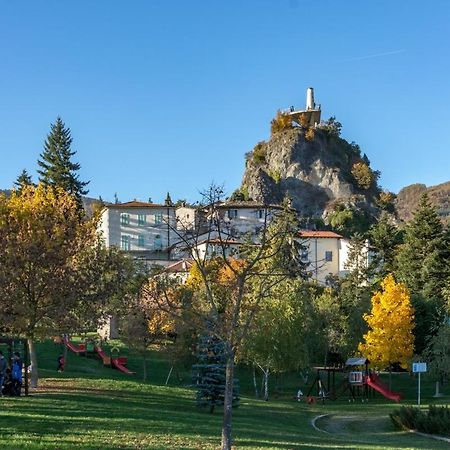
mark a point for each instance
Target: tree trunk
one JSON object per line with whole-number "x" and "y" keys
{"x": 144, "y": 367}
{"x": 34, "y": 364}
{"x": 254, "y": 382}
{"x": 65, "y": 352}
{"x": 266, "y": 384}
{"x": 228, "y": 402}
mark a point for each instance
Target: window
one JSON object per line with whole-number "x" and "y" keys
{"x": 232, "y": 213}
{"x": 158, "y": 218}
{"x": 142, "y": 219}
{"x": 124, "y": 219}
{"x": 304, "y": 255}
{"x": 125, "y": 242}
{"x": 140, "y": 240}
{"x": 328, "y": 256}
{"x": 158, "y": 242}
{"x": 260, "y": 214}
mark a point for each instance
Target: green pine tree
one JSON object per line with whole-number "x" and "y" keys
{"x": 384, "y": 239}
{"x": 209, "y": 374}
{"x": 168, "y": 200}
{"x": 420, "y": 260}
{"x": 57, "y": 167}
{"x": 24, "y": 179}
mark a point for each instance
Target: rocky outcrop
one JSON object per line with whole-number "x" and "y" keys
{"x": 312, "y": 167}
{"x": 408, "y": 199}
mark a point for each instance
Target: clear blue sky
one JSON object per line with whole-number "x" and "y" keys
{"x": 168, "y": 95}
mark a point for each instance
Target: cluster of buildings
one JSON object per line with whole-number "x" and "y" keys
{"x": 165, "y": 235}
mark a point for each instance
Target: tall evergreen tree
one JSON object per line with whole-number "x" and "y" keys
{"x": 384, "y": 239}
{"x": 168, "y": 200}
{"x": 57, "y": 167}
{"x": 421, "y": 261}
{"x": 24, "y": 179}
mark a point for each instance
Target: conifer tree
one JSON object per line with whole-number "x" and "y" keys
{"x": 24, "y": 179}
{"x": 57, "y": 167}
{"x": 209, "y": 373}
{"x": 384, "y": 239}
{"x": 420, "y": 260}
{"x": 168, "y": 200}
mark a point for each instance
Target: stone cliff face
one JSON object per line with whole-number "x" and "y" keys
{"x": 312, "y": 167}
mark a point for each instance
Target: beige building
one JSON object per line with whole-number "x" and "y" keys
{"x": 144, "y": 230}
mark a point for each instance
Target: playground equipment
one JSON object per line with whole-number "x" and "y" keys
{"x": 117, "y": 362}
{"x": 357, "y": 380}
{"x": 20, "y": 346}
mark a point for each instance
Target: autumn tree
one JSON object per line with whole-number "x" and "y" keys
{"x": 390, "y": 337}
{"x": 230, "y": 289}
{"x": 55, "y": 272}
{"x": 57, "y": 167}
{"x": 281, "y": 122}
{"x": 363, "y": 175}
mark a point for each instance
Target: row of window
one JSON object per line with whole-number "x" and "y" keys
{"x": 125, "y": 242}
{"x": 233, "y": 213}
{"x": 305, "y": 255}
{"x": 141, "y": 219}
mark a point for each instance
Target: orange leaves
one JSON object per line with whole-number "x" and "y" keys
{"x": 390, "y": 338}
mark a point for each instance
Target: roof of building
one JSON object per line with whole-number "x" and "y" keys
{"x": 319, "y": 234}
{"x": 183, "y": 265}
{"x": 220, "y": 241}
{"x": 137, "y": 204}
{"x": 248, "y": 204}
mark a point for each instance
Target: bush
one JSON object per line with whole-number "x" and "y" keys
{"x": 309, "y": 135}
{"x": 434, "y": 421}
{"x": 363, "y": 175}
{"x": 259, "y": 153}
{"x": 282, "y": 121}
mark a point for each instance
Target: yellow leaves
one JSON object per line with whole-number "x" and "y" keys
{"x": 363, "y": 175}
{"x": 390, "y": 338}
{"x": 282, "y": 121}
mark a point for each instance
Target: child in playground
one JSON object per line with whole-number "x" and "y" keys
{"x": 16, "y": 374}
{"x": 61, "y": 362}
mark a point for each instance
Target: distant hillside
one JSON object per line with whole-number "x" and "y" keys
{"x": 408, "y": 199}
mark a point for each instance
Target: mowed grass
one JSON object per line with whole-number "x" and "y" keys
{"x": 91, "y": 407}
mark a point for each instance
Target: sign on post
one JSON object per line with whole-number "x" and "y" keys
{"x": 419, "y": 367}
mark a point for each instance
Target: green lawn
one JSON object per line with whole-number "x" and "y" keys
{"x": 91, "y": 407}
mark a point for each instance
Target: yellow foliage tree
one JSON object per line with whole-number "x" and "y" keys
{"x": 282, "y": 121}
{"x": 390, "y": 338}
{"x": 363, "y": 175}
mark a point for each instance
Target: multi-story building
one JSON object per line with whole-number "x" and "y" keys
{"x": 326, "y": 254}
{"x": 144, "y": 230}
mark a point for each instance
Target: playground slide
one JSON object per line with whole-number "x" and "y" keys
{"x": 99, "y": 352}
{"x": 375, "y": 383}
{"x": 74, "y": 348}
{"x": 116, "y": 363}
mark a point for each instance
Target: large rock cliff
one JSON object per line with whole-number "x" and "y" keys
{"x": 314, "y": 167}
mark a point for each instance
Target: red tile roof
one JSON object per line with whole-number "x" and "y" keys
{"x": 137, "y": 204}
{"x": 180, "y": 266}
{"x": 319, "y": 234}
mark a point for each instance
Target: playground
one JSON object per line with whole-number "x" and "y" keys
{"x": 95, "y": 406}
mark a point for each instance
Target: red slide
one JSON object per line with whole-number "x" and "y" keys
{"x": 375, "y": 383}
{"x": 99, "y": 352}
{"x": 75, "y": 348}
{"x": 118, "y": 364}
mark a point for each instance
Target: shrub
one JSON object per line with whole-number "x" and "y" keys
{"x": 362, "y": 174}
{"x": 259, "y": 153}
{"x": 282, "y": 121}
{"x": 275, "y": 175}
{"x": 309, "y": 135}
{"x": 434, "y": 421}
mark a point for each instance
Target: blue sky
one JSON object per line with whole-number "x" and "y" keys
{"x": 169, "y": 95}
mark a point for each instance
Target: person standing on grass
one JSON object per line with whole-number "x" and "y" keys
{"x": 3, "y": 367}
{"x": 61, "y": 362}
{"x": 17, "y": 373}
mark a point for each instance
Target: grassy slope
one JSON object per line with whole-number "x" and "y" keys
{"x": 92, "y": 407}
